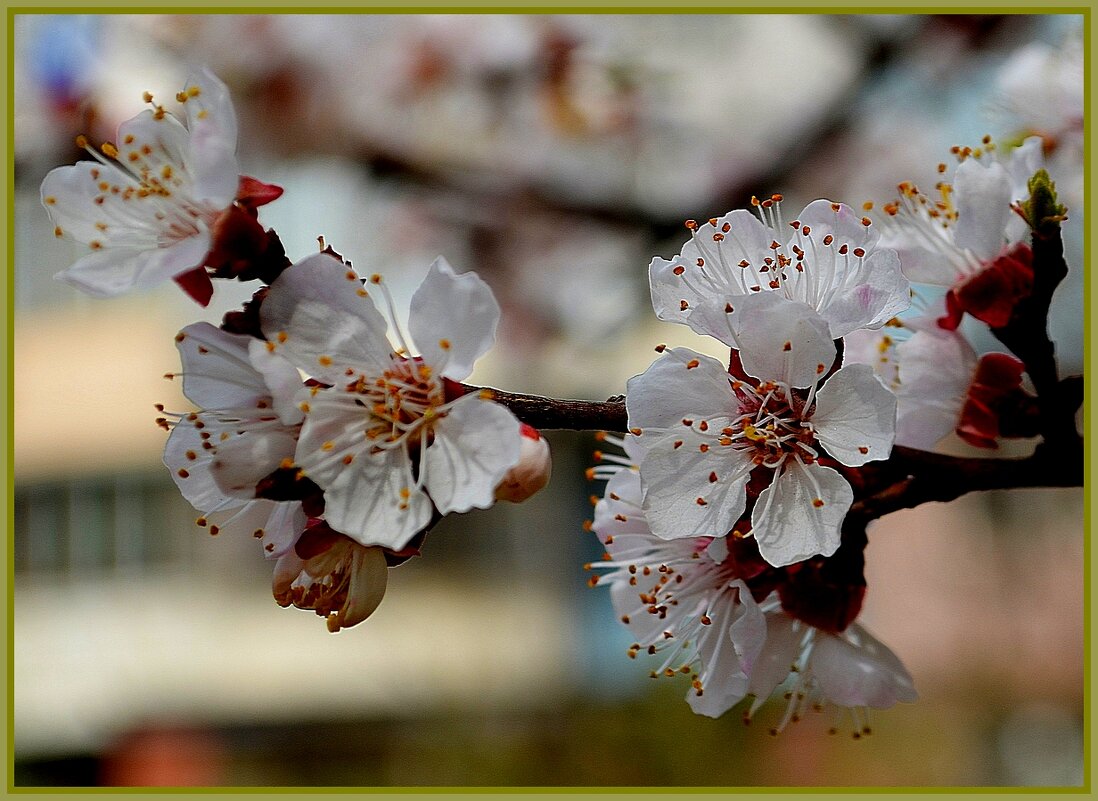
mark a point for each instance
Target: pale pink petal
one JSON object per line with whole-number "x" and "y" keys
{"x": 107, "y": 273}
{"x": 243, "y": 459}
{"x": 983, "y": 207}
{"x": 800, "y": 513}
{"x": 776, "y": 658}
{"x": 452, "y": 320}
{"x": 855, "y": 416}
{"x": 475, "y": 444}
{"x": 211, "y": 121}
{"x": 283, "y": 382}
{"x": 318, "y": 316}
{"x": 864, "y": 673}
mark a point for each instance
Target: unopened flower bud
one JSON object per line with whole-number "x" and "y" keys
{"x": 532, "y": 472}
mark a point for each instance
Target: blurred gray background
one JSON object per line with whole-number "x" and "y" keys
{"x": 554, "y": 155}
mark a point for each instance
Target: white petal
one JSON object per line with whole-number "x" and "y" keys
{"x": 284, "y": 524}
{"x": 369, "y": 575}
{"x": 936, "y": 365}
{"x": 924, "y": 427}
{"x": 474, "y": 446}
{"x": 211, "y": 121}
{"x": 373, "y": 500}
{"x": 722, "y": 675}
{"x": 156, "y": 143}
{"x": 452, "y": 319}
{"x": 190, "y": 463}
{"x": 658, "y": 399}
{"x": 242, "y": 460}
{"x": 618, "y": 513}
{"x": 110, "y": 272}
{"x": 878, "y": 292}
{"x": 748, "y": 632}
{"x": 681, "y": 497}
{"x": 217, "y": 373}
{"x": 983, "y": 207}
{"x": 855, "y": 416}
{"x": 782, "y": 339}
{"x": 861, "y": 674}
{"x": 332, "y": 435}
{"x": 281, "y": 379}
{"x": 779, "y": 652}
{"x": 70, "y": 193}
{"x": 789, "y": 522}
{"x": 704, "y": 291}
{"x": 318, "y": 317}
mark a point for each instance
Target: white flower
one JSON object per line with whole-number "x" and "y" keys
{"x": 1041, "y": 88}
{"x": 145, "y": 208}
{"x": 851, "y": 669}
{"x": 679, "y": 599}
{"x": 706, "y": 432}
{"x": 942, "y": 385}
{"x": 949, "y": 237}
{"x": 341, "y": 580}
{"x": 382, "y": 440}
{"x": 831, "y": 261}
{"x": 246, "y": 429}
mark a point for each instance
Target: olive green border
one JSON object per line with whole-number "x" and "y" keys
{"x": 603, "y": 7}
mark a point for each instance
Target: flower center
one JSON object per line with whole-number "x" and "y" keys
{"x": 402, "y": 401}
{"x": 772, "y": 424}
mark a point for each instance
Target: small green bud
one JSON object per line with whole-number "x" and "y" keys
{"x": 1042, "y": 211}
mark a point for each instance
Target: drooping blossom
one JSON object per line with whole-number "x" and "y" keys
{"x": 829, "y": 258}
{"x": 942, "y": 385}
{"x": 150, "y": 206}
{"x": 246, "y": 428}
{"x": 341, "y": 580}
{"x": 968, "y": 236}
{"x": 707, "y": 433}
{"x": 690, "y": 602}
{"x": 852, "y": 670}
{"x": 383, "y": 439}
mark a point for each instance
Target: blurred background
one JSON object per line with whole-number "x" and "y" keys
{"x": 554, "y": 155}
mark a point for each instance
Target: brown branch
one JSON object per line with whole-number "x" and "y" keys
{"x": 908, "y": 478}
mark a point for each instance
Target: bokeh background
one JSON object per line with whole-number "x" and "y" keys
{"x": 554, "y": 155}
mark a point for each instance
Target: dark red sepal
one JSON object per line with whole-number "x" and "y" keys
{"x": 827, "y": 592}
{"x": 993, "y": 293}
{"x": 253, "y": 193}
{"x": 197, "y": 284}
{"x": 997, "y": 379}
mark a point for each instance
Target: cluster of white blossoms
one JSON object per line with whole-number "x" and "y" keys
{"x": 724, "y": 524}
{"x": 687, "y": 600}
{"x": 738, "y": 476}
{"x": 334, "y": 447}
